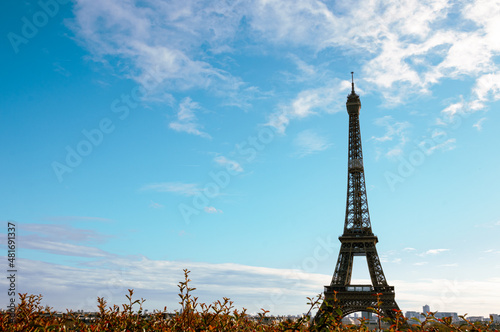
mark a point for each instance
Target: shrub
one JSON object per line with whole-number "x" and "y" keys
{"x": 30, "y": 316}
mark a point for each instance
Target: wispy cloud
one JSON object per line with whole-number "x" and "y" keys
{"x": 485, "y": 89}
{"x": 441, "y": 143}
{"x": 211, "y": 209}
{"x": 435, "y": 251}
{"x": 55, "y": 232}
{"x": 447, "y": 145}
{"x": 395, "y": 131}
{"x": 305, "y": 73}
{"x": 327, "y": 99}
{"x": 308, "y": 142}
{"x": 155, "y": 205}
{"x": 61, "y": 248}
{"x": 461, "y": 108}
{"x": 411, "y": 49}
{"x": 63, "y": 240}
{"x": 454, "y": 109}
{"x": 186, "y": 189}
{"x": 479, "y": 124}
{"x": 187, "y": 120}
{"x": 179, "y": 45}
{"x": 225, "y": 162}
{"x": 157, "y": 41}
{"x": 420, "y": 263}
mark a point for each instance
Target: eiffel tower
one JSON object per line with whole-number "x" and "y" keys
{"x": 358, "y": 238}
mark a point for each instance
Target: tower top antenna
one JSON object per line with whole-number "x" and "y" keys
{"x": 352, "y": 77}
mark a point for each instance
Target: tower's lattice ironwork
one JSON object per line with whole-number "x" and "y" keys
{"x": 358, "y": 238}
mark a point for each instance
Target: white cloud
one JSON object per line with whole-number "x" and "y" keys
{"x": 186, "y": 189}
{"x": 155, "y": 205}
{"x": 420, "y": 263}
{"x": 394, "y": 131}
{"x": 454, "y": 109}
{"x": 401, "y": 36}
{"x": 308, "y": 142}
{"x": 211, "y": 209}
{"x": 435, "y": 251}
{"x": 59, "y": 248}
{"x": 406, "y": 46}
{"x": 479, "y": 124}
{"x": 447, "y": 145}
{"x": 438, "y": 142}
{"x": 306, "y": 71}
{"x": 410, "y": 45}
{"x": 186, "y": 119}
{"x": 487, "y": 87}
{"x": 306, "y": 101}
{"x": 453, "y": 295}
{"x": 157, "y": 39}
{"x": 63, "y": 240}
{"x": 231, "y": 164}
{"x": 328, "y": 99}
{"x": 305, "y": 68}
{"x": 51, "y": 232}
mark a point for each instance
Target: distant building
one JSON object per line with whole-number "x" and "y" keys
{"x": 453, "y": 315}
{"x": 413, "y": 314}
{"x": 476, "y": 318}
{"x": 366, "y": 315}
{"x": 496, "y": 318}
{"x": 350, "y": 321}
{"x": 426, "y": 308}
{"x": 370, "y": 316}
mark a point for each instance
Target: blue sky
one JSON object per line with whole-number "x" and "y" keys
{"x": 143, "y": 137}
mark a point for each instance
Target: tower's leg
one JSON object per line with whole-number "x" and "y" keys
{"x": 343, "y": 269}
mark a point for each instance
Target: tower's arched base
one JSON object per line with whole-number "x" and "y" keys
{"x": 354, "y": 298}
